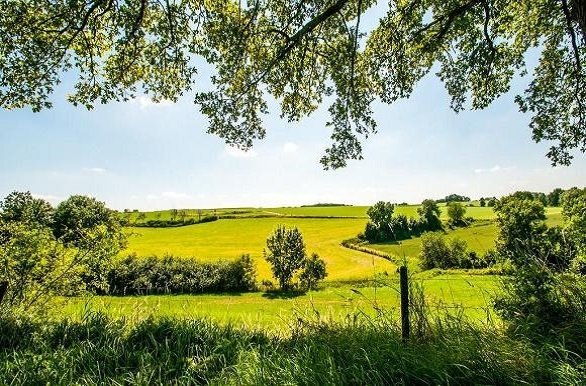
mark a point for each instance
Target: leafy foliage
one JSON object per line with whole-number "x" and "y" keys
{"x": 543, "y": 304}
{"x": 300, "y": 53}
{"x": 22, "y": 207}
{"x": 436, "y": 252}
{"x": 430, "y": 212}
{"x": 314, "y": 270}
{"x": 456, "y": 214}
{"x": 521, "y": 223}
{"x": 172, "y": 275}
{"x": 286, "y": 254}
{"x": 37, "y": 264}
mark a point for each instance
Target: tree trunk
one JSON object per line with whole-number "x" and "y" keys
{"x": 3, "y": 289}
{"x": 578, "y": 12}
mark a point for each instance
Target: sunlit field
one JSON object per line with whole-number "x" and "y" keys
{"x": 470, "y": 294}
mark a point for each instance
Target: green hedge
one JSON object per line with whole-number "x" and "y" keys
{"x": 134, "y": 275}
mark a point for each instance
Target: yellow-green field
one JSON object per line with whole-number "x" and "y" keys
{"x": 476, "y": 212}
{"x": 480, "y": 236}
{"x": 230, "y": 238}
{"x": 244, "y": 231}
{"x": 470, "y": 293}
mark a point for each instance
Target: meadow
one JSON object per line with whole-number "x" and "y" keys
{"x": 470, "y": 294}
{"x": 229, "y": 238}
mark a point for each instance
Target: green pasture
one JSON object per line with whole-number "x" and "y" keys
{"x": 470, "y": 293}
{"x": 480, "y": 236}
{"x": 230, "y": 238}
{"x": 477, "y": 212}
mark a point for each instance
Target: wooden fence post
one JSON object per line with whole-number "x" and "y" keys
{"x": 405, "y": 327}
{"x": 3, "y": 289}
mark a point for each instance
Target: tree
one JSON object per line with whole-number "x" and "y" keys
{"x": 456, "y": 213}
{"x": 491, "y": 202}
{"x": 379, "y": 226}
{"x": 574, "y": 213}
{"x": 521, "y": 225}
{"x": 173, "y": 213}
{"x": 314, "y": 270}
{"x": 430, "y": 212}
{"x": 78, "y": 215}
{"x": 554, "y": 198}
{"x": 454, "y": 198}
{"x": 23, "y": 207}
{"x": 300, "y": 52}
{"x": 286, "y": 254}
{"x": 482, "y": 202}
{"x": 88, "y": 225}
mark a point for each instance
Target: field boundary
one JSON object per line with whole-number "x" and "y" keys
{"x": 360, "y": 248}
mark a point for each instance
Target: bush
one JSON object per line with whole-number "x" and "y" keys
{"x": 436, "y": 252}
{"x": 173, "y": 275}
{"x": 540, "y": 303}
{"x": 314, "y": 270}
{"x": 456, "y": 214}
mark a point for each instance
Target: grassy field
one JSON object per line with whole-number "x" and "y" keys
{"x": 360, "y": 211}
{"x": 480, "y": 237}
{"x": 274, "y": 311}
{"x": 228, "y": 239}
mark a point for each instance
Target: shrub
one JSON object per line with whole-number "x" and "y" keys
{"x": 314, "y": 270}
{"x": 540, "y": 303}
{"x": 145, "y": 275}
{"x": 456, "y": 213}
{"x": 436, "y": 252}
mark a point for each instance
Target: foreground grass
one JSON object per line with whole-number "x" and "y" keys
{"x": 470, "y": 294}
{"x": 367, "y": 351}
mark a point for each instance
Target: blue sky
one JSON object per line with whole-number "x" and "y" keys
{"x": 153, "y": 156}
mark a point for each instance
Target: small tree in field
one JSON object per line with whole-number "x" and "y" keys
{"x": 456, "y": 213}
{"x": 286, "y": 254}
{"x": 314, "y": 270}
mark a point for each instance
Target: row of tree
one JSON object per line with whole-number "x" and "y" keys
{"x": 552, "y": 198}
{"x": 385, "y": 225}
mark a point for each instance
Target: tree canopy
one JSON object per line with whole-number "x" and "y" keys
{"x": 301, "y": 52}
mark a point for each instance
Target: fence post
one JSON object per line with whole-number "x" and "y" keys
{"x": 405, "y": 327}
{"x": 3, "y": 289}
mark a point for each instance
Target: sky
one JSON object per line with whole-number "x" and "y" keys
{"x": 143, "y": 155}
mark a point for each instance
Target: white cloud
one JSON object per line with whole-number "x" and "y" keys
{"x": 152, "y": 197}
{"x": 145, "y": 102}
{"x": 493, "y": 169}
{"x": 290, "y": 147}
{"x": 175, "y": 195}
{"x": 239, "y": 153}
{"x": 95, "y": 170}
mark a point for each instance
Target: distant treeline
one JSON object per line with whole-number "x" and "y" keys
{"x": 453, "y": 198}
{"x": 550, "y": 199}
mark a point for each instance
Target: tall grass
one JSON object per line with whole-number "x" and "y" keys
{"x": 360, "y": 350}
